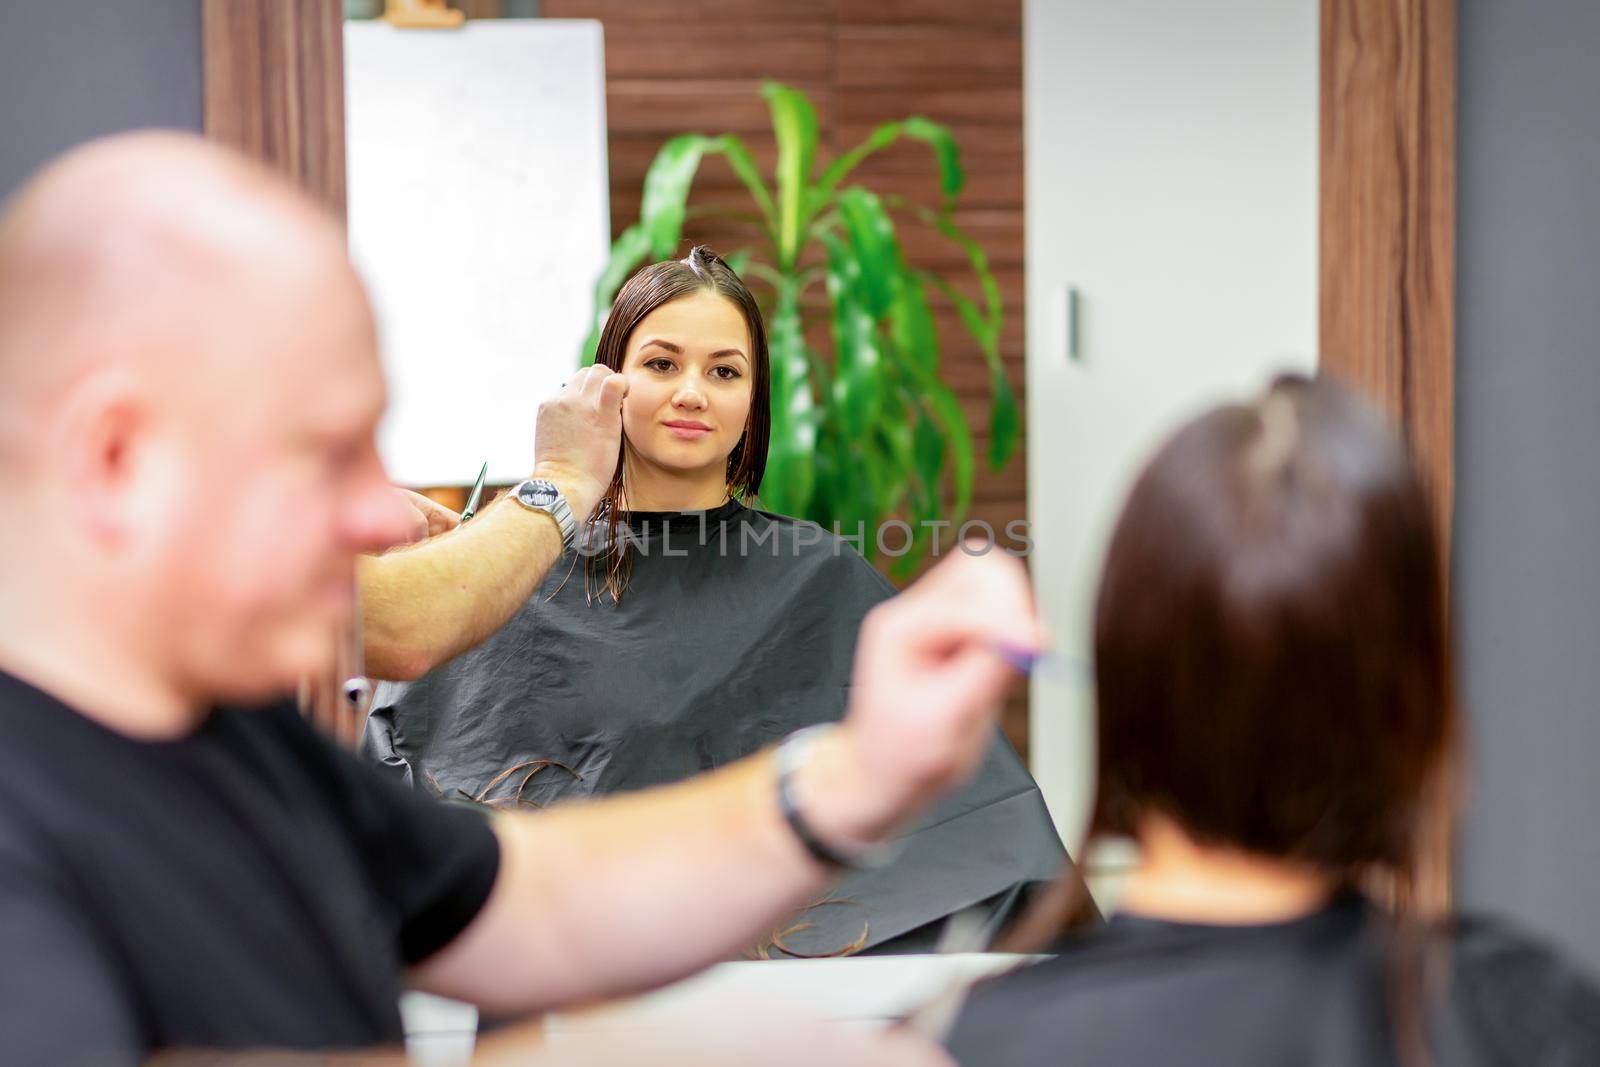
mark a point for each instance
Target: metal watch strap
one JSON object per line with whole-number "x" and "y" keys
{"x": 557, "y": 509}
{"x": 790, "y": 755}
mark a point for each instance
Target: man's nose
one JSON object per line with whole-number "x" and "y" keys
{"x": 376, "y": 516}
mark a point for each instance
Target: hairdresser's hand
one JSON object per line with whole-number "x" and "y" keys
{"x": 429, "y": 518}
{"x": 579, "y": 436}
{"x": 926, "y": 692}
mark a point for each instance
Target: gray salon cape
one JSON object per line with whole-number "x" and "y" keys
{"x": 736, "y": 628}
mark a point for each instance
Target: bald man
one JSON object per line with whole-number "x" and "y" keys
{"x": 189, "y": 385}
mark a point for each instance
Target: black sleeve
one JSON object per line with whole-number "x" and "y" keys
{"x": 432, "y": 862}
{"x": 60, "y": 1000}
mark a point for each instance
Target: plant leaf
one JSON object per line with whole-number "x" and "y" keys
{"x": 849, "y": 500}
{"x": 879, "y": 139}
{"x": 911, "y": 326}
{"x": 972, "y": 317}
{"x": 880, "y": 264}
{"x": 899, "y": 442}
{"x": 792, "y": 448}
{"x": 947, "y": 410}
{"x": 993, "y": 309}
{"x": 738, "y": 260}
{"x": 631, "y": 246}
{"x": 858, "y": 361}
{"x": 1004, "y": 422}
{"x": 666, "y": 190}
{"x": 745, "y": 169}
{"x": 929, "y": 452}
{"x": 938, "y": 136}
{"x": 934, "y": 134}
{"x": 794, "y": 123}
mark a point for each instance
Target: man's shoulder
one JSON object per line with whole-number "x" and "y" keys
{"x": 48, "y": 753}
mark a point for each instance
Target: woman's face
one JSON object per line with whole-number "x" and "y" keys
{"x": 689, "y": 383}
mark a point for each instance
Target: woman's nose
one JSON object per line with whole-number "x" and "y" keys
{"x": 689, "y": 397}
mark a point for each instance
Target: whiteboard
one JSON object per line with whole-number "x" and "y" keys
{"x": 479, "y": 219}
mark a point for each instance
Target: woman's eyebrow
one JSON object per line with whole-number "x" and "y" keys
{"x": 656, "y": 342}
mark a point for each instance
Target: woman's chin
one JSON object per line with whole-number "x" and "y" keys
{"x": 686, "y": 458}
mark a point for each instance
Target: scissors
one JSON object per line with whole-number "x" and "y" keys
{"x": 476, "y": 494}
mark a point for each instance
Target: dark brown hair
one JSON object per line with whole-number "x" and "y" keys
{"x": 651, "y": 287}
{"x": 1272, "y": 654}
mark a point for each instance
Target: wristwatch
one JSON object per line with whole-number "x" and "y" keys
{"x": 537, "y": 494}
{"x": 791, "y": 754}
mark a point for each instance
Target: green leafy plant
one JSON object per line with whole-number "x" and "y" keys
{"x": 874, "y": 433}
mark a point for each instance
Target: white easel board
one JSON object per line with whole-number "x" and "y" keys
{"x": 479, "y": 219}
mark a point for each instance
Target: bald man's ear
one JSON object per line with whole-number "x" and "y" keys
{"x": 101, "y": 433}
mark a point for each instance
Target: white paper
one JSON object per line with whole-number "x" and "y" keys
{"x": 479, "y": 218}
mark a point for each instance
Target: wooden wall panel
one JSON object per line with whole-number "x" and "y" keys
{"x": 679, "y": 65}
{"x": 707, "y": 13}
{"x": 927, "y": 56}
{"x": 274, "y": 87}
{"x": 1387, "y": 279}
{"x": 929, "y": 13}
{"x": 1387, "y": 284}
{"x": 800, "y": 53}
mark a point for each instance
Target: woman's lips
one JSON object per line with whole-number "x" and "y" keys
{"x": 689, "y": 431}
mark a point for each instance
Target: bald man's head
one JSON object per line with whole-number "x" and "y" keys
{"x": 106, "y": 254}
{"x": 188, "y": 391}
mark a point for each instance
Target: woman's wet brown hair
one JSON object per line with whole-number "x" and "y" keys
{"x": 702, "y": 270}
{"x": 1271, "y": 647}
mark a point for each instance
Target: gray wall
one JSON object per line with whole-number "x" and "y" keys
{"x": 1527, "y": 540}
{"x": 71, "y": 70}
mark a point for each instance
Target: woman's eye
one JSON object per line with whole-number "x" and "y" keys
{"x": 727, "y": 374}
{"x": 660, "y": 364}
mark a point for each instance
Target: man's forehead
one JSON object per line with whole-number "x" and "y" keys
{"x": 300, "y": 360}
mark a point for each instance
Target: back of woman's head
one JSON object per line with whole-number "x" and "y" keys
{"x": 1271, "y": 646}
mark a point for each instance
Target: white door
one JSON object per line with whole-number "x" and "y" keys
{"x": 1172, "y": 182}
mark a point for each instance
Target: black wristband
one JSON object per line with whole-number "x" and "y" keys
{"x": 788, "y": 762}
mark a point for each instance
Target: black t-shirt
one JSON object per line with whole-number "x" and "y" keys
{"x": 247, "y": 886}
{"x": 1319, "y": 991}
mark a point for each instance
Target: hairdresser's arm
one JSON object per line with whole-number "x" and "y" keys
{"x": 602, "y": 898}
{"x": 425, "y": 603}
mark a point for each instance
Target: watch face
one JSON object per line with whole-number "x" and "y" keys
{"x": 540, "y": 496}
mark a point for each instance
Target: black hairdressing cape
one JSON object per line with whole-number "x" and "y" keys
{"x": 1339, "y": 987}
{"x": 736, "y": 627}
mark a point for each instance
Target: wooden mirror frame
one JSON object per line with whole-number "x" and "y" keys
{"x": 274, "y": 88}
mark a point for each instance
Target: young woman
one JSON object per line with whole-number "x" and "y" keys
{"x": 1277, "y": 731}
{"x": 691, "y": 629}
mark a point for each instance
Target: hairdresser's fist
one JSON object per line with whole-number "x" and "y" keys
{"x": 427, "y": 518}
{"x": 578, "y": 437}
{"x": 926, "y": 692}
